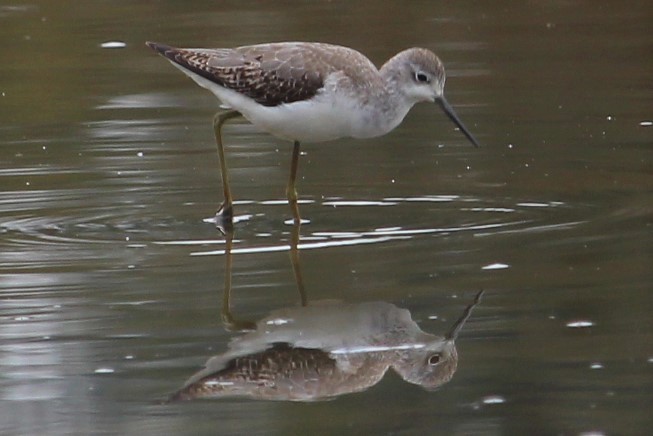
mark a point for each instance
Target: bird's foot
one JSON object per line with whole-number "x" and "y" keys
{"x": 224, "y": 218}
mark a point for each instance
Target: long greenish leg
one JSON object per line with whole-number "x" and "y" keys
{"x": 226, "y": 212}
{"x": 291, "y": 192}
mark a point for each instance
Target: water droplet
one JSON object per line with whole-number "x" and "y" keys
{"x": 495, "y": 266}
{"x": 113, "y": 44}
{"x": 494, "y": 399}
{"x": 580, "y": 324}
{"x": 646, "y": 123}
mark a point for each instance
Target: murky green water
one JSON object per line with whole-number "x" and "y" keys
{"x": 111, "y": 283}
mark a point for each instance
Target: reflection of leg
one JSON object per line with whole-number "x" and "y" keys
{"x": 228, "y": 320}
{"x": 225, "y": 214}
{"x": 296, "y": 267}
{"x": 291, "y": 192}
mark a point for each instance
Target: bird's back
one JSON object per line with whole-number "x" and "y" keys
{"x": 276, "y": 73}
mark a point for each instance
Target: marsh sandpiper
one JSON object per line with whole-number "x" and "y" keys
{"x": 311, "y": 92}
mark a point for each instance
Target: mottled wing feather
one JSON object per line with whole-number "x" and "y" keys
{"x": 274, "y": 74}
{"x": 267, "y": 78}
{"x": 275, "y": 373}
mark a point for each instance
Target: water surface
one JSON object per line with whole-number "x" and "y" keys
{"x": 111, "y": 282}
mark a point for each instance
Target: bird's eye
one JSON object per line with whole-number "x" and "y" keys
{"x": 421, "y": 77}
{"x": 434, "y": 359}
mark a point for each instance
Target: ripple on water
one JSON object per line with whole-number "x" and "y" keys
{"x": 481, "y": 221}
{"x": 67, "y": 217}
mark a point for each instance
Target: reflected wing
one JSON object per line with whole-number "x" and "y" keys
{"x": 278, "y": 373}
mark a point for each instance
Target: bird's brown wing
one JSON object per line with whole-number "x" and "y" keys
{"x": 268, "y": 75}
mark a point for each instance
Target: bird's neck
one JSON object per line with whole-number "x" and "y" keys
{"x": 394, "y": 104}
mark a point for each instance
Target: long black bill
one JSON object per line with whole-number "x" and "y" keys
{"x": 452, "y": 334}
{"x": 446, "y": 107}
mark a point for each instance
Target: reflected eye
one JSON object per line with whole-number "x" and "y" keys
{"x": 434, "y": 359}
{"x": 422, "y": 78}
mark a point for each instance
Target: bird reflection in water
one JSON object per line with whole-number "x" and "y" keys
{"x": 321, "y": 350}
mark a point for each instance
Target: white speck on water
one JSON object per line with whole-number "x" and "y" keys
{"x": 580, "y": 324}
{"x": 278, "y": 321}
{"x": 646, "y": 123}
{"x": 650, "y": 360}
{"x": 532, "y": 204}
{"x": 113, "y": 44}
{"x": 104, "y": 371}
{"x": 609, "y": 118}
{"x": 596, "y": 365}
{"x": 433, "y": 317}
{"x": 129, "y": 357}
{"x": 591, "y": 433}
{"x": 510, "y": 146}
{"x": 494, "y": 399}
{"x": 21, "y": 318}
{"x": 139, "y": 154}
{"x": 495, "y": 266}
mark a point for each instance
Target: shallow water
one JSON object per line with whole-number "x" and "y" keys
{"x": 111, "y": 282}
